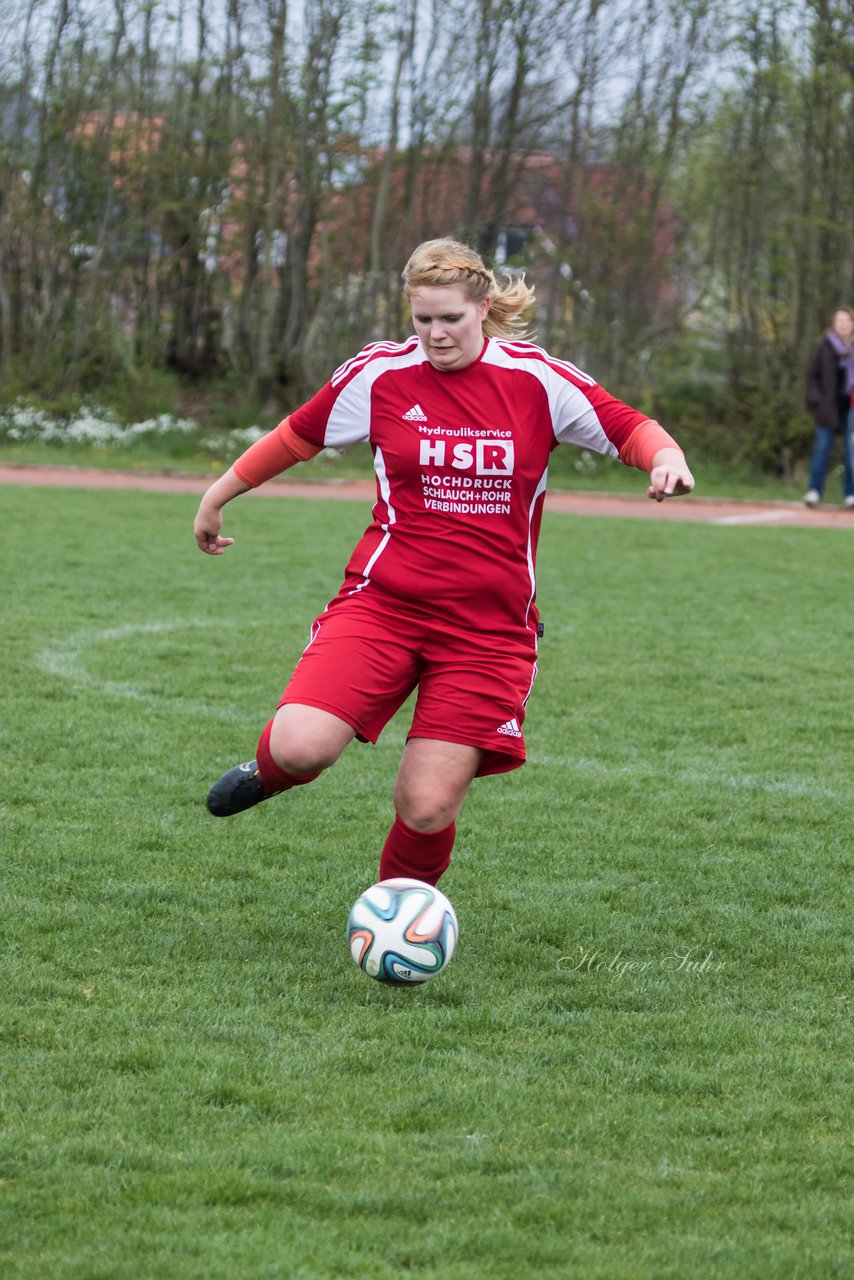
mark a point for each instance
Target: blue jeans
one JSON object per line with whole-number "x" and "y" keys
{"x": 824, "y": 438}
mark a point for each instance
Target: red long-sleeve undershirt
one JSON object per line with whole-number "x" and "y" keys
{"x": 281, "y": 449}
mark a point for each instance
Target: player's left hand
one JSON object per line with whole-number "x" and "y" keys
{"x": 669, "y": 477}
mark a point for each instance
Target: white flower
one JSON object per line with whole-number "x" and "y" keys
{"x": 90, "y": 425}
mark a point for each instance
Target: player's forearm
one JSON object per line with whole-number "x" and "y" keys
{"x": 207, "y": 525}
{"x": 224, "y": 488}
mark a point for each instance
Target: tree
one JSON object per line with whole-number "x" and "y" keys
{"x": 233, "y": 185}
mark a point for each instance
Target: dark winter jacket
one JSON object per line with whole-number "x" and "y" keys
{"x": 826, "y": 398}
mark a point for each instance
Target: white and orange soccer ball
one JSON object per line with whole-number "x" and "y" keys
{"x": 402, "y": 931}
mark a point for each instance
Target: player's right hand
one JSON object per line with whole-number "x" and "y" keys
{"x": 206, "y": 530}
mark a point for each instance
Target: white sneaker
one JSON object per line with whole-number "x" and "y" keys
{"x": 849, "y": 502}
{"x": 812, "y": 498}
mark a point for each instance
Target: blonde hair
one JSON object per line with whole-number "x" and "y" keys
{"x": 448, "y": 263}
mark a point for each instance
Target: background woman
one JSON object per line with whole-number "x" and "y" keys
{"x": 830, "y": 383}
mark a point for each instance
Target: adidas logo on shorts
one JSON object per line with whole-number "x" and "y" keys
{"x": 415, "y": 414}
{"x": 511, "y": 728}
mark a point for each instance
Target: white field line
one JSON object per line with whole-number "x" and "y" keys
{"x": 756, "y": 517}
{"x": 395, "y": 736}
{"x": 694, "y": 777}
{"x": 67, "y": 659}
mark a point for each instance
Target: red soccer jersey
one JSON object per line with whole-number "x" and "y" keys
{"x": 461, "y": 460}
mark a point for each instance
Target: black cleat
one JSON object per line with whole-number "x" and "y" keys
{"x": 238, "y": 789}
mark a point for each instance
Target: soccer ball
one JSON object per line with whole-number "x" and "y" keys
{"x": 402, "y": 931}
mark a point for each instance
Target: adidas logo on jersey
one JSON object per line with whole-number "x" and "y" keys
{"x": 511, "y": 728}
{"x": 415, "y": 414}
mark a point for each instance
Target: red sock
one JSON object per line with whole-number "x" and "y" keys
{"x": 421, "y": 855}
{"x": 274, "y": 779}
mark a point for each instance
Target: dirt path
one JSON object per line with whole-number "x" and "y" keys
{"x": 704, "y": 510}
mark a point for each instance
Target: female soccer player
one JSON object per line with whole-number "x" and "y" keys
{"x": 439, "y": 593}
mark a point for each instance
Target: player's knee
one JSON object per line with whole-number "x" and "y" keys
{"x": 425, "y": 811}
{"x": 428, "y": 821}
{"x": 305, "y": 740}
{"x": 304, "y": 755}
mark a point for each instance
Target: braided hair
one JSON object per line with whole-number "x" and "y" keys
{"x": 442, "y": 263}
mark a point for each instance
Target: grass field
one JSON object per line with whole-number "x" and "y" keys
{"x": 639, "y": 1064}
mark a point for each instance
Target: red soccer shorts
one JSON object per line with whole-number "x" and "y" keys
{"x": 369, "y": 650}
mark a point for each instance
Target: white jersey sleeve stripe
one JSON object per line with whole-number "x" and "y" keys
{"x": 349, "y": 366}
{"x": 527, "y": 348}
{"x": 369, "y": 353}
